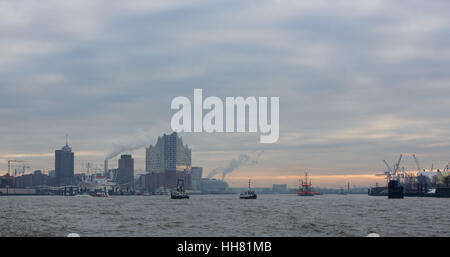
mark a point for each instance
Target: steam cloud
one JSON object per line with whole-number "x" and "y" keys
{"x": 256, "y": 159}
{"x": 141, "y": 139}
{"x": 235, "y": 164}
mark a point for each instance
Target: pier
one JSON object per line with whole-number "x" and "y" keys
{"x": 69, "y": 190}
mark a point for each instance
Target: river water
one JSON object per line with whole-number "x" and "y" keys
{"x": 224, "y": 215}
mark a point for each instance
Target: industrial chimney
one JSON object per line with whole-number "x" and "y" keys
{"x": 106, "y": 167}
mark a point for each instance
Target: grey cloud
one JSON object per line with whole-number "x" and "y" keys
{"x": 100, "y": 71}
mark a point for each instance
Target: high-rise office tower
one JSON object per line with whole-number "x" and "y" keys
{"x": 125, "y": 176}
{"x": 64, "y": 165}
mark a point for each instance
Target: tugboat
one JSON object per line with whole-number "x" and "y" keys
{"x": 305, "y": 188}
{"x": 395, "y": 190}
{"x": 179, "y": 193}
{"x": 249, "y": 194}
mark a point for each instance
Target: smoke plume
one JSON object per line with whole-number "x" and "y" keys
{"x": 256, "y": 157}
{"x": 140, "y": 139}
{"x": 235, "y": 164}
{"x": 214, "y": 172}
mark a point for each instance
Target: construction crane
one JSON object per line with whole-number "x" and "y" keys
{"x": 24, "y": 167}
{"x": 9, "y": 168}
{"x": 19, "y": 172}
{"x": 9, "y": 165}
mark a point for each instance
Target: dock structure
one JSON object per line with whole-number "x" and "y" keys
{"x": 58, "y": 190}
{"x": 41, "y": 190}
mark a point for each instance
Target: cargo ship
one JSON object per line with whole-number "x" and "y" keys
{"x": 395, "y": 190}
{"x": 97, "y": 185}
{"x": 305, "y": 188}
{"x": 377, "y": 191}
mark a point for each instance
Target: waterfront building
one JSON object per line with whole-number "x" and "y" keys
{"x": 279, "y": 188}
{"x": 125, "y": 172}
{"x": 166, "y": 162}
{"x": 196, "y": 177}
{"x": 169, "y": 153}
{"x": 213, "y": 186}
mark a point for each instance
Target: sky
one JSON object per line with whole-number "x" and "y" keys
{"x": 359, "y": 82}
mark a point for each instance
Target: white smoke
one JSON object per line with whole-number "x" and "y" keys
{"x": 257, "y": 155}
{"x": 214, "y": 172}
{"x": 141, "y": 139}
{"x": 235, "y": 164}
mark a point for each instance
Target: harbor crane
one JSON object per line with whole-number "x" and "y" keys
{"x": 389, "y": 173}
{"x": 447, "y": 167}
{"x": 419, "y": 168}
{"x": 389, "y": 170}
{"x": 397, "y": 165}
{"x": 417, "y": 164}
{"x": 396, "y": 168}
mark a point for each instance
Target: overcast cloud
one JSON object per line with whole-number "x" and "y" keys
{"x": 358, "y": 81}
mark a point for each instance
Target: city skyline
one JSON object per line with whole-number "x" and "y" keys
{"x": 236, "y": 179}
{"x": 359, "y": 82}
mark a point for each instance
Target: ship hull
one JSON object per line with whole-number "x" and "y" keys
{"x": 377, "y": 191}
{"x": 179, "y": 196}
{"x": 305, "y": 194}
{"x": 247, "y": 197}
{"x": 97, "y": 195}
{"x": 395, "y": 190}
{"x": 443, "y": 192}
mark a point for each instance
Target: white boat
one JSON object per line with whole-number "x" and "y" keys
{"x": 97, "y": 183}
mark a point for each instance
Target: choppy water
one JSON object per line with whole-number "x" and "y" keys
{"x": 223, "y": 215}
